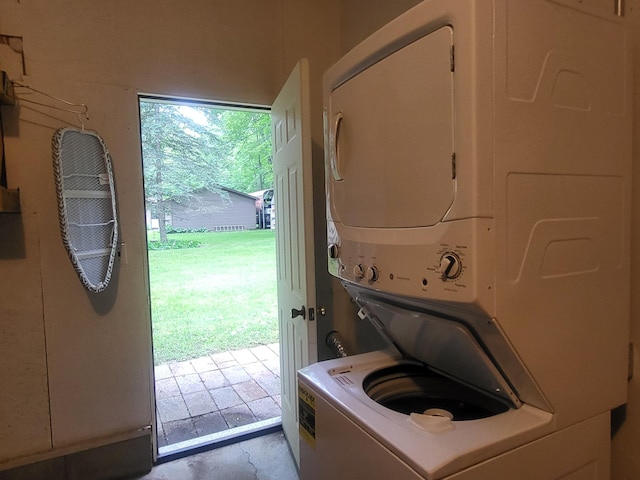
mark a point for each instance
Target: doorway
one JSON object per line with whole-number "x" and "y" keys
{"x": 208, "y": 182}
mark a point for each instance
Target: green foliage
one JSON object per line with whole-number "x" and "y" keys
{"x": 186, "y": 230}
{"x": 249, "y": 166}
{"x": 181, "y": 155}
{"x": 172, "y": 244}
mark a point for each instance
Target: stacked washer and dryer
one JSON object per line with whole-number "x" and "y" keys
{"x": 478, "y": 185}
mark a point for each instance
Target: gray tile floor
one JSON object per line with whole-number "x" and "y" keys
{"x": 214, "y": 393}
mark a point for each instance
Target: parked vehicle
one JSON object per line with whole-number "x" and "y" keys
{"x": 273, "y": 213}
{"x": 264, "y": 199}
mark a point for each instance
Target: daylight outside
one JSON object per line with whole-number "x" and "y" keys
{"x": 208, "y": 184}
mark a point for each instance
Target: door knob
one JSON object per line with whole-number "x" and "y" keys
{"x": 296, "y": 313}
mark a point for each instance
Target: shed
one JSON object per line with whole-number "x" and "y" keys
{"x": 224, "y": 209}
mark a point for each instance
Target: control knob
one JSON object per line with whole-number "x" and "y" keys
{"x": 372, "y": 274}
{"x": 450, "y": 266}
{"x": 358, "y": 271}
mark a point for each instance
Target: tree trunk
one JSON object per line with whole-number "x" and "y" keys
{"x": 162, "y": 220}
{"x": 160, "y": 206}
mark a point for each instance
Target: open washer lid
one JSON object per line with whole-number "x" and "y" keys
{"x": 439, "y": 341}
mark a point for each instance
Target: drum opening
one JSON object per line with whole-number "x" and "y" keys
{"x": 411, "y": 388}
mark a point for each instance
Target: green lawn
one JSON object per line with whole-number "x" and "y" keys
{"x": 217, "y": 297}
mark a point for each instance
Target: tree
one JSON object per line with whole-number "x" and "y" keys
{"x": 248, "y": 137}
{"x": 186, "y": 149}
{"x": 180, "y": 155}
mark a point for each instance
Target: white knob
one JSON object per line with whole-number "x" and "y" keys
{"x": 372, "y": 274}
{"x": 358, "y": 271}
{"x": 450, "y": 265}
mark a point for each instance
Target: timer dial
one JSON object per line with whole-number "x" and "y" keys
{"x": 450, "y": 266}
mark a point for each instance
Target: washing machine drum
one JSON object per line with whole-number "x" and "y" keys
{"x": 411, "y": 388}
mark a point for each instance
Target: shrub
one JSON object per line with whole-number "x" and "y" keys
{"x": 172, "y": 244}
{"x": 186, "y": 230}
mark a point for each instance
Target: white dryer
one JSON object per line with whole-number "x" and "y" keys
{"x": 478, "y": 161}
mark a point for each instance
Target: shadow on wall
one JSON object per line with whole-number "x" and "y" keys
{"x": 12, "y": 245}
{"x": 103, "y": 302}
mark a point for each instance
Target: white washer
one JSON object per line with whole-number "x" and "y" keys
{"x": 344, "y": 434}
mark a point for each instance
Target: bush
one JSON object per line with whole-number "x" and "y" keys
{"x": 172, "y": 244}
{"x": 186, "y": 230}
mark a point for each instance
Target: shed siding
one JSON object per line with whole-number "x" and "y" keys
{"x": 224, "y": 210}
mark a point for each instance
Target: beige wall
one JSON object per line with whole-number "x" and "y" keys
{"x": 360, "y": 18}
{"x": 75, "y": 366}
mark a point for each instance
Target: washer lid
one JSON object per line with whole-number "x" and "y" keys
{"x": 443, "y": 343}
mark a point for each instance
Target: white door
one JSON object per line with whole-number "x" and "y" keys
{"x": 294, "y": 240}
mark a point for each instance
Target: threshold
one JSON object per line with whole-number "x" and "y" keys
{"x": 217, "y": 440}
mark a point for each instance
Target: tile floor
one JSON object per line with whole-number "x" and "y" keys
{"x": 214, "y": 393}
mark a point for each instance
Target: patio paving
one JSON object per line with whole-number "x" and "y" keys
{"x": 214, "y": 393}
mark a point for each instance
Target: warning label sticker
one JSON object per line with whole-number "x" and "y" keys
{"x": 307, "y": 416}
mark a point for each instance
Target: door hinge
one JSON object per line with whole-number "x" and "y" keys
{"x": 452, "y": 58}
{"x": 312, "y": 314}
{"x": 453, "y": 165}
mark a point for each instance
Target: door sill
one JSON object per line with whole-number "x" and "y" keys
{"x": 217, "y": 440}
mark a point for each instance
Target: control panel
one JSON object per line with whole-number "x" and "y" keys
{"x": 444, "y": 269}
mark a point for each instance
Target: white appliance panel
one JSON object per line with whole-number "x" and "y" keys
{"x": 344, "y": 448}
{"x": 336, "y": 387}
{"x": 503, "y": 209}
{"x": 400, "y": 113}
{"x": 546, "y": 262}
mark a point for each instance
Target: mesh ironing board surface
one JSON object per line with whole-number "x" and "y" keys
{"x": 86, "y": 204}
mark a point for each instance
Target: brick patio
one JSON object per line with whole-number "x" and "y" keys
{"x": 215, "y": 393}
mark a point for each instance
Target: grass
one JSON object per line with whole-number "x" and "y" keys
{"x": 217, "y": 297}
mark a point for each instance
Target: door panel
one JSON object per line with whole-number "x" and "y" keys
{"x": 294, "y": 239}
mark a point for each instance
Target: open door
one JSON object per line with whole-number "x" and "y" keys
{"x": 293, "y": 202}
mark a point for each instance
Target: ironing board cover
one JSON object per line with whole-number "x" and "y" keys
{"x": 86, "y": 204}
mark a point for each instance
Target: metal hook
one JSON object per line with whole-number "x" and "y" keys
{"x": 81, "y": 113}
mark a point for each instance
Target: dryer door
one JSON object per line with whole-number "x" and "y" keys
{"x": 391, "y": 138}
